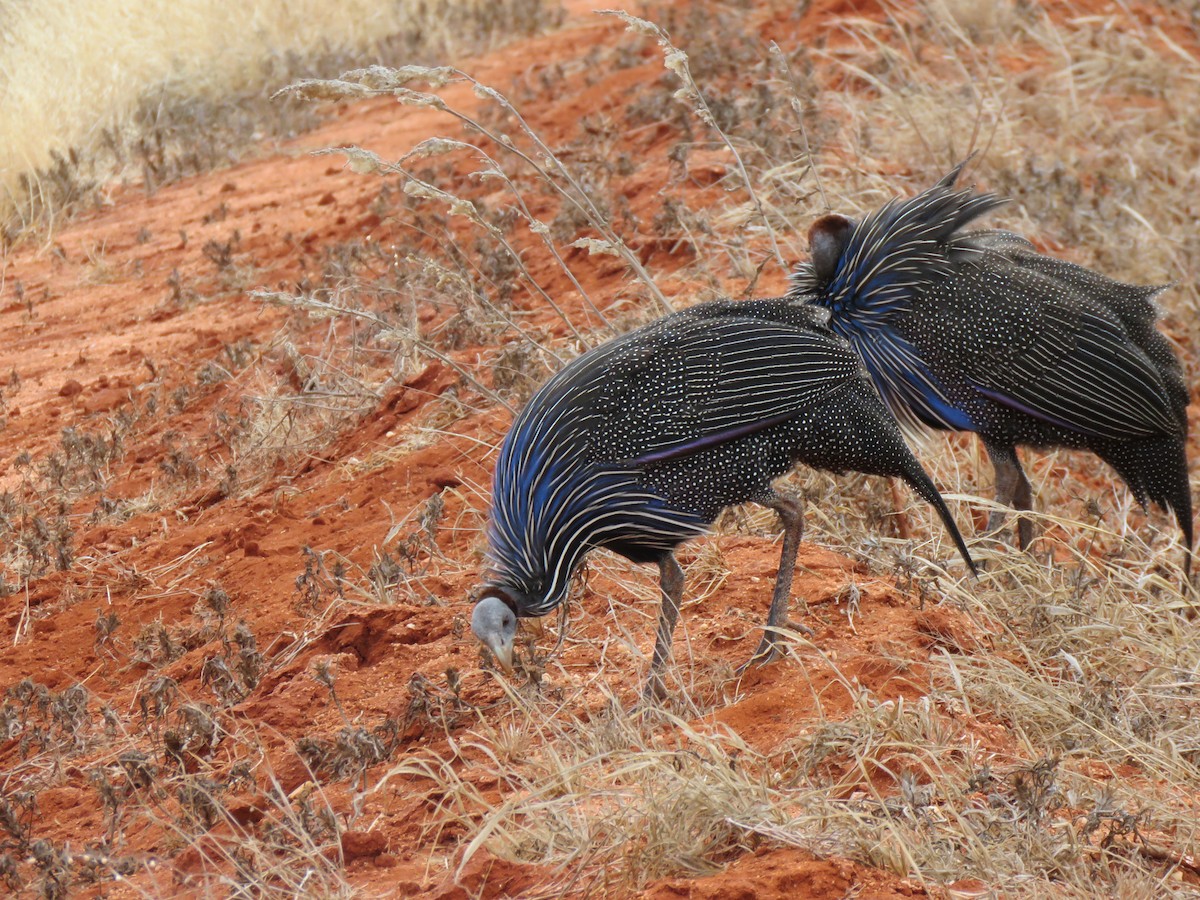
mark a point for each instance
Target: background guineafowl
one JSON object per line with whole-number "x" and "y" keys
{"x": 640, "y": 443}
{"x": 977, "y": 331}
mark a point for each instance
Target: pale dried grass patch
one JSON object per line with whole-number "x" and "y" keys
{"x": 155, "y": 90}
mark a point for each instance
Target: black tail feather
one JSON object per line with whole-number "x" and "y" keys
{"x": 1181, "y": 504}
{"x": 1156, "y": 471}
{"x": 924, "y": 487}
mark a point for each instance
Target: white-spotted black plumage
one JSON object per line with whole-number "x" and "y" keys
{"x": 640, "y": 443}
{"x": 977, "y": 331}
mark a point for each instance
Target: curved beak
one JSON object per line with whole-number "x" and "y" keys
{"x": 504, "y": 655}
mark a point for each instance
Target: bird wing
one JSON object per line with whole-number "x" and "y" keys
{"x": 568, "y": 473}
{"x": 1047, "y": 350}
{"x": 697, "y": 383}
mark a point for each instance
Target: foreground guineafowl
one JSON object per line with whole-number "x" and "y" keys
{"x": 639, "y": 444}
{"x": 976, "y": 331}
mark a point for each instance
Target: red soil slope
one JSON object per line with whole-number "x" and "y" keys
{"x": 120, "y": 314}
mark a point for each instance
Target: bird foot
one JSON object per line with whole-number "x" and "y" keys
{"x": 766, "y": 652}
{"x": 654, "y": 692}
{"x": 995, "y": 523}
{"x": 768, "y": 648}
{"x": 1025, "y": 531}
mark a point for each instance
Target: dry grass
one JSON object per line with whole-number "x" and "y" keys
{"x": 91, "y": 89}
{"x": 1055, "y": 753}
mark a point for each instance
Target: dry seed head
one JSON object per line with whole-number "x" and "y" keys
{"x": 323, "y": 89}
{"x": 635, "y": 24}
{"x": 385, "y": 78}
{"x": 676, "y": 60}
{"x": 483, "y": 92}
{"x": 418, "y": 98}
{"x": 593, "y": 247}
{"x": 360, "y": 161}
{"x": 414, "y": 187}
{"x": 435, "y": 146}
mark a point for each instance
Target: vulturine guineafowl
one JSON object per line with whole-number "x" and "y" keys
{"x": 976, "y": 331}
{"x": 638, "y": 444}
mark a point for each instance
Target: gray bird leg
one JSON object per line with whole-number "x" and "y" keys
{"x": 1012, "y": 489}
{"x": 671, "y": 583}
{"x": 791, "y": 514}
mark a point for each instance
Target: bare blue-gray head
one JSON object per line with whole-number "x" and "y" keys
{"x": 639, "y": 444}
{"x": 976, "y": 331}
{"x": 495, "y": 624}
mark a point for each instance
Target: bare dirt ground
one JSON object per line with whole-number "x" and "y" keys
{"x": 260, "y": 576}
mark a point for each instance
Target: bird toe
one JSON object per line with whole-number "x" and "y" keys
{"x": 654, "y": 692}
